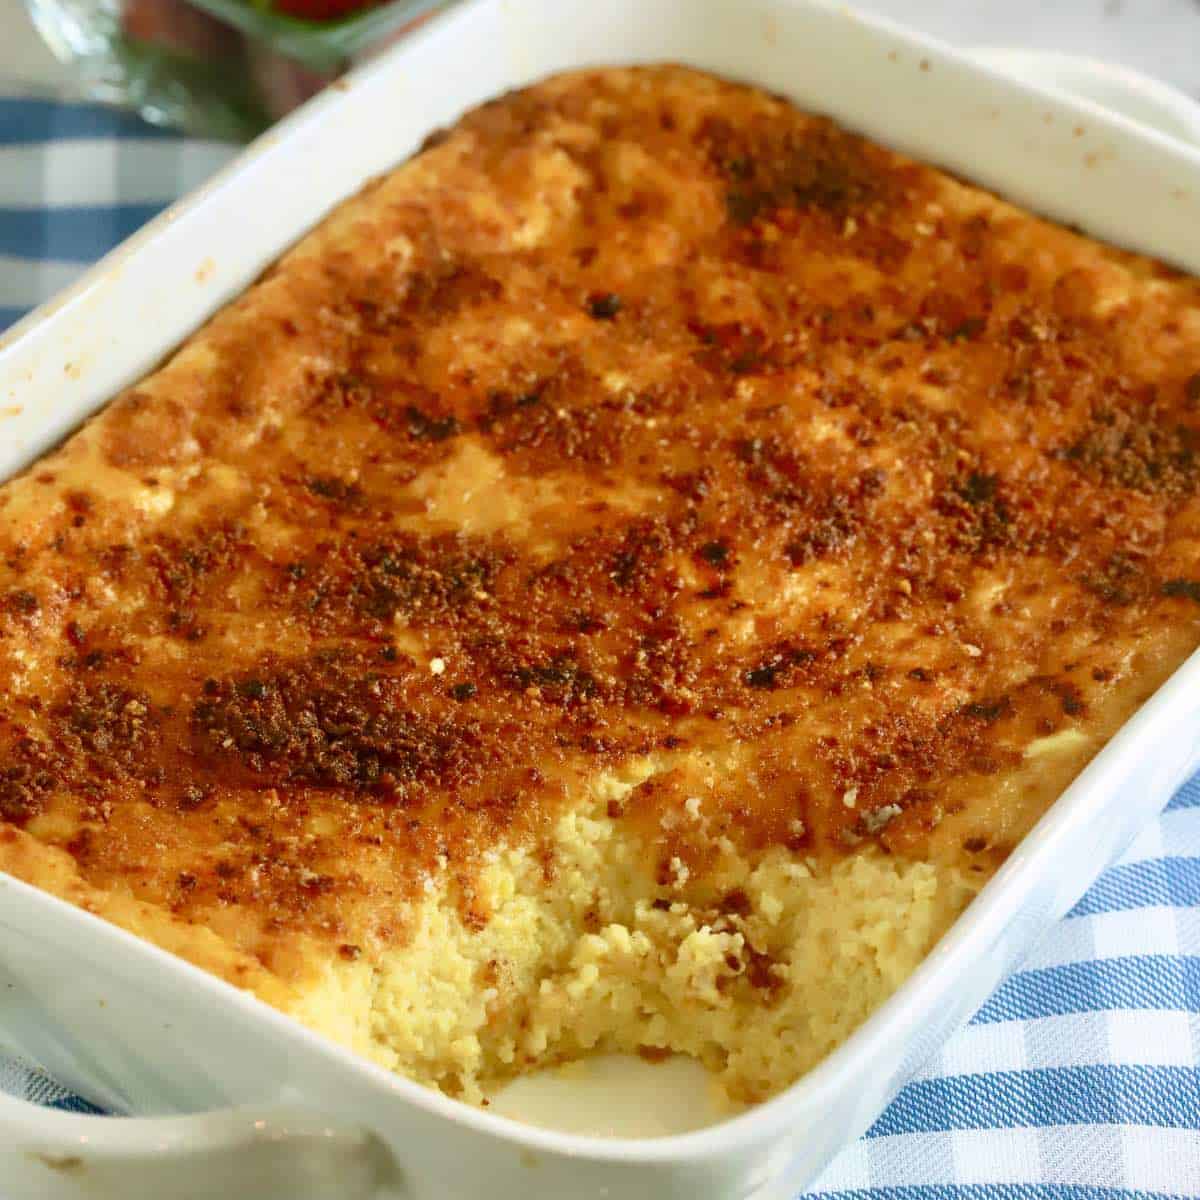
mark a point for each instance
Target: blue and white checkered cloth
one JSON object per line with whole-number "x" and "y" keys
{"x": 1078, "y": 1080}
{"x": 75, "y": 180}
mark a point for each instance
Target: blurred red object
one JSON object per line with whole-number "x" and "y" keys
{"x": 321, "y": 10}
{"x": 174, "y": 25}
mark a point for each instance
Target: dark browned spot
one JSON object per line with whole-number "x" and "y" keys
{"x": 988, "y": 710}
{"x": 603, "y": 306}
{"x": 816, "y": 167}
{"x": 1187, "y": 588}
{"x": 426, "y": 428}
{"x": 779, "y": 668}
{"x": 1118, "y": 580}
{"x": 328, "y": 725}
{"x": 1140, "y": 449}
{"x": 654, "y": 1054}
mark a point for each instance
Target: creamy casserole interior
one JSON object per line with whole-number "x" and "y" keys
{"x": 624, "y": 582}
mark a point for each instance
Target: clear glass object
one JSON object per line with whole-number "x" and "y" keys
{"x": 213, "y": 68}
{"x": 320, "y": 45}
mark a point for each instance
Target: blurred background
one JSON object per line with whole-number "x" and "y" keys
{"x": 225, "y": 68}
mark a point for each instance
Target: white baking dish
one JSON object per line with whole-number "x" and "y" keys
{"x": 137, "y": 1030}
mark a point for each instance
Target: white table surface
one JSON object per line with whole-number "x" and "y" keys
{"x": 1160, "y": 37}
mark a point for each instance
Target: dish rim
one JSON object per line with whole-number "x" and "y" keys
{"x": 1084, "y": 800}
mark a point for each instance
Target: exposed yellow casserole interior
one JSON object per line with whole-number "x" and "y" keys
{"x": 623, "y": 582}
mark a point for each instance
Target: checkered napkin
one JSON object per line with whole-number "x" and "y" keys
{"x": 1078, "y": 1080}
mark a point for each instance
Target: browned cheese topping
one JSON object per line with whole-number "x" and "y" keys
{"x": 640, "y": 413}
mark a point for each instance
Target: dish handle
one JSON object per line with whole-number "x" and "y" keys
{"x": 1119, "y": 89}
{"x": 230, "y": 1154}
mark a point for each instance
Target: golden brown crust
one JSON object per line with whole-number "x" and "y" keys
{"x": 640, "y": 413}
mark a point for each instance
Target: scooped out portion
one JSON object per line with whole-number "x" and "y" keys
{"x": 756, "y": 972}
{"x": 619, "y": 586}
{"x": 615, "y": 1095}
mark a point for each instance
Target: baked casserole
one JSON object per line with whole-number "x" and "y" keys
{"x": 623, "y": 583}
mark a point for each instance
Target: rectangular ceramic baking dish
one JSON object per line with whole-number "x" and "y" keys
{"x": 283, "y": 1112}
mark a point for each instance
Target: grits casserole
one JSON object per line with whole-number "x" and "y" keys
{"x": 623, "y": 583}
